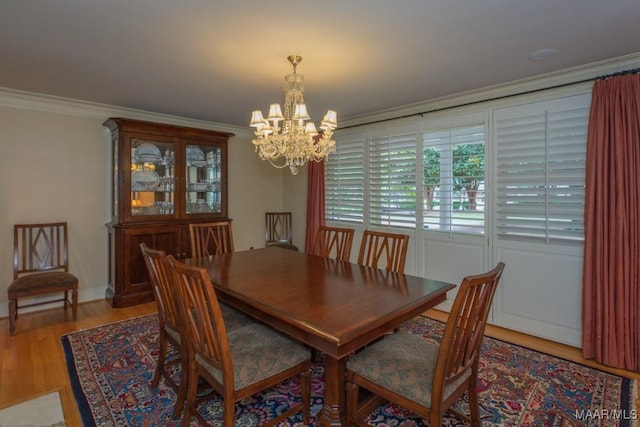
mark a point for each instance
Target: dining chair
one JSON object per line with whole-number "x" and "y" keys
{"x": 278, "y": 228}
{"x": 239, "y": 364}
{"x": 164, "y": 291}
{"x": 333, "y": 242}
{"x": 388, "y": 249}
{"x": 211, "y": 238}
{"x": 166, "y": 297}
{"x": 424, "y": 377}
{"x": 41, "y": 266}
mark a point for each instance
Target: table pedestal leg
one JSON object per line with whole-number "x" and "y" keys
{"x": 333, "y": 412}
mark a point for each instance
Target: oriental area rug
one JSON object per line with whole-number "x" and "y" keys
{"x": 111, "y": 368}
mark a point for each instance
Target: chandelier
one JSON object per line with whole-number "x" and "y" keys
{"x": 294, "y": 142}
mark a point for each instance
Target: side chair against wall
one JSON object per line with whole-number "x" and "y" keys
{"x": 236, "y": 365}
{"x": 333, "y": 242}
{"x": 212, "y": 238}
{"x": 41, "y": 266}
{"x": 164, "y": 292}
{"x": 431, "y": 384}
{"x": 278, "y": 230}
{"x": 383, "y": 250}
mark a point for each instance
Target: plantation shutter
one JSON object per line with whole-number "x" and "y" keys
{"x": 454, "y": 173}
{"x": 392, "y": 180}
{"x": 541, "y": 153}
{"x": 344, "y": 181}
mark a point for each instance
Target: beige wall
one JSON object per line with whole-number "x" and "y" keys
{"x": 295, "y": 201}
{"x": 55, "y": 165}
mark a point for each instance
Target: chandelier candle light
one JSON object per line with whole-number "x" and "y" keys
{"x": 295, "y": 142}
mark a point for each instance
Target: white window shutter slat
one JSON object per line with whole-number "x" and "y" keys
{"x": 541, "y": 156}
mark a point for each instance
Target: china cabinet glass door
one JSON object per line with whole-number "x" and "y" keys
{"x": 152, "y": 177}
{"x": 203, "y": 167}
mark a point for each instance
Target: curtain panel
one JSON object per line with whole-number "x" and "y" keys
{"x": 611, "y": 273}
{"x": 315, "y": 203}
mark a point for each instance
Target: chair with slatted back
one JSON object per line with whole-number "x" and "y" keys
{"x": 41, "y": 266}
{"x": 383, "y": 250}
{"x": 163, "y": 285}
{"x": 239, "y": 364}
{"x": 165, "y": 293}
{"x": 212, "y": 238}
{"x": 333, "y": 242}
{"x": 216, "y": 238}
{"x": 424, "y": 377}
{"x": 278, "y": 230}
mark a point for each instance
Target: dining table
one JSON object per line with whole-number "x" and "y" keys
{"x": 335, "y": 307}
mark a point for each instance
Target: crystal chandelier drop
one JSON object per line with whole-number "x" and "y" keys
{"x": 294, "y": 142}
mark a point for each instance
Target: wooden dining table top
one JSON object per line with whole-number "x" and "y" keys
{"x": 334, "y": 306}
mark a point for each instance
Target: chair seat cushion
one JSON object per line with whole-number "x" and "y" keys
{"x": 258, "y": 352}
{"x": 403, "y": 363}
{"x": 234, "y": 319}
{"x": 42, "y": 282}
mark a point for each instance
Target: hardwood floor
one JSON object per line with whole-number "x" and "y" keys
{"x": 32, "y": 361}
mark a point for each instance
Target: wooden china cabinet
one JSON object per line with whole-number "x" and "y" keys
{"x": 164, "y": 178}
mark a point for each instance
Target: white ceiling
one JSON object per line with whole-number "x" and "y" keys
{"x": 219, "y": 60}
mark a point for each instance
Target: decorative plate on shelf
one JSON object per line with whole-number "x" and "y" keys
{"x": 195, "y": 153}
{"x": 147, "y": 152}
{"x": 144, "y": 180}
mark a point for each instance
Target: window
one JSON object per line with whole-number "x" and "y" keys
{"x": 344, "y": 181}
{"x": 541, "y": 152}
{"x": 400, "y": 177}
{"x": 392, "y": 180}
{"x": 445, "y": 184}
{"x": 454, "y": 186}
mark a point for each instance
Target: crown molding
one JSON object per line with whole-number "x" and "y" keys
{"x": 540, "y": 82}
{"x": 53, "y": 104}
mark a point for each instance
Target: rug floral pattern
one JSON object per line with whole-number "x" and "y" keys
{"x": 111, "y": 369}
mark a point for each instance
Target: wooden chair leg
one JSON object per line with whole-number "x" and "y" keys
{"x": 74, "y": 303}
{"x": 13, "y": 315}
{"x": 229, "y": 411}
{"x": 435, "y": 418}
{"x": 192, "y": 389}
{"x": 162, "y": 356}
{"x": 474, "y": 404}
{"x": 352, "y": 402}
{"x": 183, "y": 387}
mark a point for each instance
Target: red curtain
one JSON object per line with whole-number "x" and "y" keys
{"x": 611, "y": 281}
{"x": 315, "y": 203}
